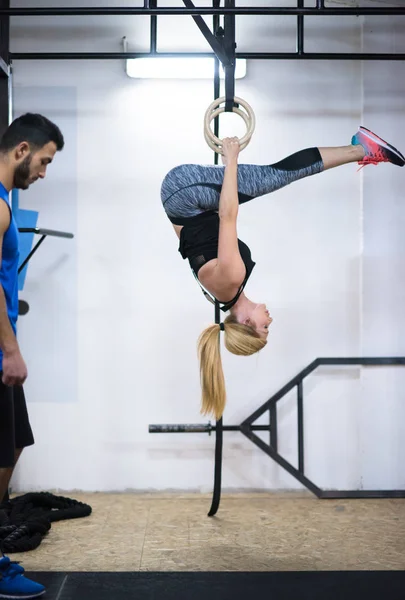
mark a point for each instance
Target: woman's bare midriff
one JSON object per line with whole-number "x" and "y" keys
{"x": 207, "y": 276}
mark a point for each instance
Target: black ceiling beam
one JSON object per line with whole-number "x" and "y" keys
{"x": 105, "y": 11}
{"x": 246, "y": 55}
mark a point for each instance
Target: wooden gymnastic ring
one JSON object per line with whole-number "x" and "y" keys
{"x": 214, "y": 110}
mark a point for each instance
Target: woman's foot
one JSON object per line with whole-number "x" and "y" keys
{"x": 377, "y": 150}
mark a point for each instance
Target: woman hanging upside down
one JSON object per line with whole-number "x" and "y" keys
{"x": 202, "y": 203}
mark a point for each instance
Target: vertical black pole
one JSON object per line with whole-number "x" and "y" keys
{"x": 217, "y": 87}
{"x": 218, "y": 447}
{"x": 4, "y": 71}
{"x": 300, "y": 419}
{"x": 229, "y": 46}
{"x": 273, "y": 426}
{"x": 216, "y": 95}
{"x": 153, "y": 27}
{"x": 300, "y": 29}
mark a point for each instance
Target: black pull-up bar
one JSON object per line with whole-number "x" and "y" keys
{"x": 368, "y": 56}
{"x": 203, "y": 11}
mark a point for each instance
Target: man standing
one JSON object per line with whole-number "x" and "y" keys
{"x": 27, "y": 147}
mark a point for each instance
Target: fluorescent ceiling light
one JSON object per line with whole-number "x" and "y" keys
{"x": 162, "y": 67}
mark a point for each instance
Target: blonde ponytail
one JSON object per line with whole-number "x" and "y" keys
{"x": 211, "y": 373}
{"x": 240, "y": 339}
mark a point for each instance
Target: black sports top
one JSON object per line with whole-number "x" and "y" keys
{"x": 199, "y": 243}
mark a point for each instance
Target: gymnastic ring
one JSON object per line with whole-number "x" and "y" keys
{"x": 249, "y": 118}
{"x": 214, "y": 110}
{"x": 217, "y": 146}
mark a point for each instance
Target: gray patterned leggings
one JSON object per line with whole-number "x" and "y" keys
{"x": 189, "y": 190}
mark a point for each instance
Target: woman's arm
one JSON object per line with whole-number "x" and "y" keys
{"x": 230, "y": 265}
{"x": 228, "y": 201}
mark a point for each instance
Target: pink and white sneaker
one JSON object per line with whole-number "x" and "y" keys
{"x": 377, "y": 150}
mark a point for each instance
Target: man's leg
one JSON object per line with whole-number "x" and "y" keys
{"x": 7, "y": 436}
{"x": 15, "y": 434}
{"x": 5, "y": 477}
{"x": 18, "y": 432}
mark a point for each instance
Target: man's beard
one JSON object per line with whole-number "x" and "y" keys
{"x": 22, "y": 174}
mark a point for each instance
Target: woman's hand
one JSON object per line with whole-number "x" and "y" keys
{"x": 231, "y": 149}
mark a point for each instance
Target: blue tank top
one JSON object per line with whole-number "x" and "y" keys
{"x": 9, "y": 267}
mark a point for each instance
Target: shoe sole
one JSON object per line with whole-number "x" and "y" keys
{"x": 8, "y": 597}
{"x": 372, "y": 136}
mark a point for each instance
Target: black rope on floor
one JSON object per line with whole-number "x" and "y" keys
{"x": 25, "y": 520}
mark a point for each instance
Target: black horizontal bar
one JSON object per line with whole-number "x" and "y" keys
{"x": 246, "y": 55}
{"x": 364, "y": 361}
{"x": 354, "y": 494}
{"x": 180, "y": 428}
{"x": 197, "y": 428}
{"x": 242, "y": 10}
{"x": 45, "y": 232}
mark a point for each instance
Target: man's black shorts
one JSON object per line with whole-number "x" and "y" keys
{"x": 15, "y": 428}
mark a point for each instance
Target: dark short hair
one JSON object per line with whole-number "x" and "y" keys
{"x": 35, "y": 129}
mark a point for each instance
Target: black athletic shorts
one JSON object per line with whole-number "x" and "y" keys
{"x": 15, "y": 428}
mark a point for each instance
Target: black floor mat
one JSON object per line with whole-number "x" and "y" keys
{"x": 321, "y": 585}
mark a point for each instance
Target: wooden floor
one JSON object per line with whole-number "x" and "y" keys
{"x": 251, "y": 532}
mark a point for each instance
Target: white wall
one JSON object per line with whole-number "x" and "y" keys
{"x": 137, "y": 309}
{"x": 382, "y": 410}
